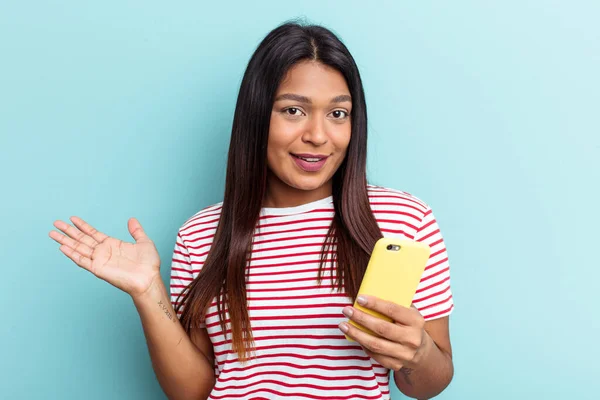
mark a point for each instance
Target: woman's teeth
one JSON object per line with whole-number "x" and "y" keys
{"x": 310, "y": 159}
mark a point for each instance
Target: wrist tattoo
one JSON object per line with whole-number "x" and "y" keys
{"x": 406, "y": 374}
{"x": 166, "y": 310}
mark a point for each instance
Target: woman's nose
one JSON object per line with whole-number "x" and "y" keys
{"x": 315, "y": 131}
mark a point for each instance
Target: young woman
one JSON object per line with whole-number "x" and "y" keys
{"x": 262, "y": 284}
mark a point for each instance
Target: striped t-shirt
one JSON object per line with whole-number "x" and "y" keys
{"x": 300, "y": 352}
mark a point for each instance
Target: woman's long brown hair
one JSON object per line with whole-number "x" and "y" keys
{"x": 353, "y": 231}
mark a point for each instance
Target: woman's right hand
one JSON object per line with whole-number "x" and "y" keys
{"x": 131, "y": 267}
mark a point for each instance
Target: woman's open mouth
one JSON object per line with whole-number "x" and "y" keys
{"x": 310, "y": 162}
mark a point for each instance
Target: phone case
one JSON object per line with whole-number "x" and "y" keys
{"x": 393, "y": 275}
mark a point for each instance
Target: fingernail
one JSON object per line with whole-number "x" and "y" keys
{"x": 344, "y": 327}
{"x": 347, "y": 311}
{"x": 361, "y": 300}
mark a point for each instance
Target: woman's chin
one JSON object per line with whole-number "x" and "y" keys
{"x": 308, "y": 185}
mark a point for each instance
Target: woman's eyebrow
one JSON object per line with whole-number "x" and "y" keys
{"x": 303, "y": 99}
{"x": 293, "y": 96}
{"x": 341, "y": 98}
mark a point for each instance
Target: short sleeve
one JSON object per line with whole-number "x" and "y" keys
{"x": 181, "y": 273}
{"x": 433, "y": 298}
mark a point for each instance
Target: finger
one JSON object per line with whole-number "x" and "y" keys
{"x": 386, "y": 329}
{"x": 77, "y": 258}
{"x": 385, "y": 361}
{"x": 369, "y": 342}
{"x": 398, "y": 313}
{"x": 89, "y": 230}
{"x": 75, "y": 233}
{"x": 79, "y": 247}
{"x": 136, "y": 231}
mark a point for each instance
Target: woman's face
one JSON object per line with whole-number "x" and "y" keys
{"x": 310, "y": 127}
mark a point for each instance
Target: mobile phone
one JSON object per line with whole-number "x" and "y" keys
{"x": 393, "y": 274}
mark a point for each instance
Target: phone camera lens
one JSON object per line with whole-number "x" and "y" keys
{"x": 389, "y": 247}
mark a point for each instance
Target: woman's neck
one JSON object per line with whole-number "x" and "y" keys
{"x": 281, "y": 195}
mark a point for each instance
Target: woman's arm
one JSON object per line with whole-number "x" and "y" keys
{"x": 418, "y": 351}
{"x": 435, "y": 369}
{"x": 182, "y": 365}
{"x": 184, "y": 368}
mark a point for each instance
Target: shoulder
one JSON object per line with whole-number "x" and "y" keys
{"x": 382, "y": 197}
{"x": 202, "y": 221}
{"x": 397, "y": 211}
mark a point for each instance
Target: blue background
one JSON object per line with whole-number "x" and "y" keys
{"x": 488, "y": 111}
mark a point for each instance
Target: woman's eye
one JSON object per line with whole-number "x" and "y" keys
{"x": 339, "y": 114}
{"x": 293, "y": 111}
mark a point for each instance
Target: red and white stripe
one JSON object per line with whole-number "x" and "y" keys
{"x": 300, "y": 351}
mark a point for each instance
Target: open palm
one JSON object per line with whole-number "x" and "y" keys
{"x": 131, "y": 267}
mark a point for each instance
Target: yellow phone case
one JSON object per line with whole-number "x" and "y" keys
{"x": 393, "y": 274}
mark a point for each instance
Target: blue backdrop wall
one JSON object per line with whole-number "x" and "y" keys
{"x": 488, "y": 111}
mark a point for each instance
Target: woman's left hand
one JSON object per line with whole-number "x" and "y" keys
{"x": 403, "y": 343}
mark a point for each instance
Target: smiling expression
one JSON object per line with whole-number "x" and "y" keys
{"x": 310, "y": 129}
